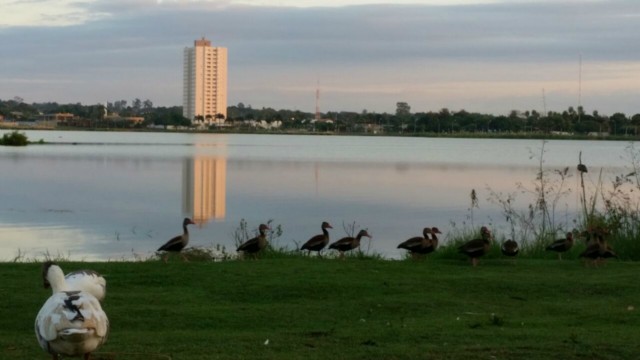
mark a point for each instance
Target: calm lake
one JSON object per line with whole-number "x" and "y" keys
{"x": 117, "y": 195}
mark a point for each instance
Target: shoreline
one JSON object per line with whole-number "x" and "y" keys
{"x": 459, "y": 135}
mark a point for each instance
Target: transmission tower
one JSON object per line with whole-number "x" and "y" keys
{"x": 318, "y": 101}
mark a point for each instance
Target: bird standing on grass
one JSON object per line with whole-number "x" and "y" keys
{"x": 598, "y": 250}
{"x": 477, "y": 247}
{"x": 257, "y": 244}
{"x": 179, "y": 242}
{"x": 432, "y": 244}
{"x": 71, "y": 322}
{"x": 606, "y": 251}
{"x": 561, "y": 245}
{"x": 417, "y": 244}
{"x": 593, "y": 250}
{"x": 510, "y": 248}
{"x": 318, "y": 242}
{"x": 349, "y": 243}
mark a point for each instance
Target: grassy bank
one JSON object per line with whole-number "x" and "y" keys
{"x": 287, "y": 308}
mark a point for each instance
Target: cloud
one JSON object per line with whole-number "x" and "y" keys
{"x": 47, "y": 13}
{"x": 325, "y": 3}
{"x": 483, "y": 56}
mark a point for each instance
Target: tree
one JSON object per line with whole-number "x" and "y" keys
{"x": 147, "y": 105}
{"x": 428, "y": 122}
{"x": 137, "y": 106}
{"x": 403, "y": 109}
{"x": 177, "y": 119}
{"x": 14, "y": 138}
{"x": 619, "y": 122}
{"x": 120, "y": 105}
{"x": 403, "y": 114}
{"x": 447, "y": 122}
{"x": 635, "y": 121}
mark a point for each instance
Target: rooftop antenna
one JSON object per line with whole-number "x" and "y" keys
{"x": 318, "y": 101}
{"x": 544, "y": 103}
{"x": 579, "y": 87}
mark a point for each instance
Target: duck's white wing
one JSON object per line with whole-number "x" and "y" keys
{"x": 88, "y": 281}
{"x": 49, "y": 318}
{"x": 94, "y": 316}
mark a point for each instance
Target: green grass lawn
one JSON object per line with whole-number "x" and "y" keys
{"x": 310, "y": 308}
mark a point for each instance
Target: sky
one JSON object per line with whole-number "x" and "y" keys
{"x": 489, "y": 56}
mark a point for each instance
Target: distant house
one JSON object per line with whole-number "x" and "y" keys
{"x": 263, "y": 124}
{"x": 57, "y": 117}
{"x": 322, "y": 121}
{"x": 373, "y": 128}
{"x": 134, "y": 119}
{"x": 598, "y": 134}
{"x": 115, "y": 117}
{"x": 16, "y": 115}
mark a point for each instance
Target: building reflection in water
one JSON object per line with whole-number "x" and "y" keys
{"x": 204, "y": 188}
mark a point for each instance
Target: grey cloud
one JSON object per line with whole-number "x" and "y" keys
{"x": 139, "y": 41}
{"x": 545, "y": 31}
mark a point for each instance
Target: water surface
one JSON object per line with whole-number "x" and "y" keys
{"x": 118, "y": 195}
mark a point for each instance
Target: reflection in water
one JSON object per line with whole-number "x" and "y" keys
{"x": 204, "y": 188}
{"x": 117, "y": 201}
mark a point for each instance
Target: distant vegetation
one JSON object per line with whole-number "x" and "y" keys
{"x": 14, "y": 139}
{"x": 241, "y": 117}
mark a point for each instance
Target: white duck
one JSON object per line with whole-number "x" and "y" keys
{"x": 71, "y": 322}
{"x": 84, "y": 280}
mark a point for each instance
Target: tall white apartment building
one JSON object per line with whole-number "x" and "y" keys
{"x": 204, "y": 99}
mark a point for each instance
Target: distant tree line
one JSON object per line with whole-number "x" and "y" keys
{"x": 572, "y": 120}
{"x": 403, "y": 121}
{"x": 16, "y": 109}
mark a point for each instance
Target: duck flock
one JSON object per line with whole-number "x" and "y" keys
{"x": 597, "y": 247}
{"x": 72, "y": 323}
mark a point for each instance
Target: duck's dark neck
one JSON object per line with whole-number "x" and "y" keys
{"x": 325, "y": 232}
{"x": 184, "y": 229}
{"x": 263, "y": 233}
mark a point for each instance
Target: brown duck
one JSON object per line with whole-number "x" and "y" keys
{"x": 598, "y": 250}
{"x": 510, "y": 248}
{"x": 257, "y": 244}
{"x": 432, "y": 244}
{"x": 417, "y": 244}
{"x": 179, "y": 242}
{"x": 349, "y": 243}
{"x": 561, "y": 245}
{"x": 606, "y": 251}
{"x": 593, "y": 250}
{"x": 318, "y": 242}
{"x": 477, "y": 247}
